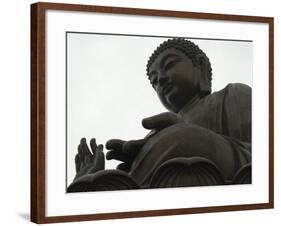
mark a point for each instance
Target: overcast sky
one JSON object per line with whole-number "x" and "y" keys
{"x": 108, "y": 90}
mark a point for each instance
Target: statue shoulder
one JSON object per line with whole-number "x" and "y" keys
{"x": 238, "y": 89}
{"x": 232, "y": 90}
{"x": 239, "y": 93}
{"x": 237, "y": 108}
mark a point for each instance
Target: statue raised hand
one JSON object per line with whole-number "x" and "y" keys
{"x": 88, "y": 161}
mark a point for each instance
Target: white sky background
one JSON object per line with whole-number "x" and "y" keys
{"x": 108, "y": 93}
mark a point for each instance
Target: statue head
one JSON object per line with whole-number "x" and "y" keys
{"x": 179, "y": 71}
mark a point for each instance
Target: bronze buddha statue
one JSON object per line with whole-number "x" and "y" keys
{"x": 203, "y": 139}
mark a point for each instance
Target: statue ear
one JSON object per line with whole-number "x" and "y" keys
{"x": 204, "y": 86}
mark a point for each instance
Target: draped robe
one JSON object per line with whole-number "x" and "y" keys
{"x": 217, "y": 127}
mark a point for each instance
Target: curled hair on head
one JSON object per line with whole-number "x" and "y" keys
{"x": 190, "y": 49}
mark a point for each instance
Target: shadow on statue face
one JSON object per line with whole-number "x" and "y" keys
{"x": 174, "y": 78}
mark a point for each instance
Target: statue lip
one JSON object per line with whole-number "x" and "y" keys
{"x": 167, "y": 87}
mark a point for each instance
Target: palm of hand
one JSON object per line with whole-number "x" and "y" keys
{"x": 88, "y": 161}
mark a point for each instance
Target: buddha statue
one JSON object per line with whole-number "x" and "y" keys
{"x": 203, "y": 139}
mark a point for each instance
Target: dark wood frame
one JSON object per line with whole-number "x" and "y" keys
{"x": 38, "y": 22}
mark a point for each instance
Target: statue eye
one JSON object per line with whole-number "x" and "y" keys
{"x": 171, "y": 63}
{"x": 154, "y": 82}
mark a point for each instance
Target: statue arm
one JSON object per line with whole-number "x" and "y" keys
{"x": 238, "y": 112}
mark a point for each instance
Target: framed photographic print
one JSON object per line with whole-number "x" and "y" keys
{"x": 143, "y": 112}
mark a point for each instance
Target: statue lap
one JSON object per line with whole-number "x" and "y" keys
{"x": 188, "y": 141}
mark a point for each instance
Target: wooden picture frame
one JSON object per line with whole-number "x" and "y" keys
{"x": 38, "y": 111}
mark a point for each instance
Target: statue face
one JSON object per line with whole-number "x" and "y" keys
{"x": 174, "y": 78}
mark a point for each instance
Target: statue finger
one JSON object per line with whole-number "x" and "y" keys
{"x": 85, "y": 149}
{"x": 132, "y": 147}
{"x": 117, "y": 156}
{"x": 160, "y": 121}
{"x": 114, "y": 144}
{"x": 93, "y": 145}
{"x": 99, "y": 162}
{"x": 100, "y": 148}
{"x": 81, "y": 154}
{"x": 88, "y": 159}
{"x": 79, "y": 150}
{"x": 111, "y": 154}
{"x": 77, "y": 162}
